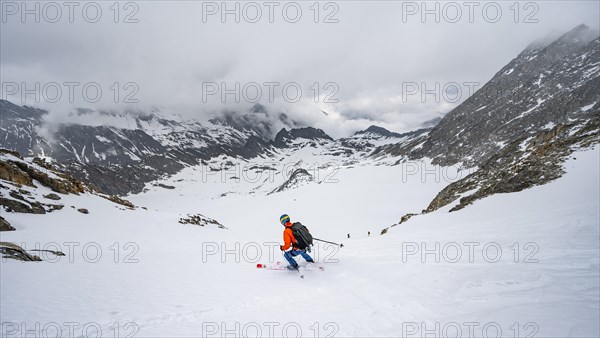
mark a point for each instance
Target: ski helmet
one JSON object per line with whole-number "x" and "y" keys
{"x": 284, "y": 219}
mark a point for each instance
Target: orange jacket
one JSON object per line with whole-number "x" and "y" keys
{"x": 288, "y": 237}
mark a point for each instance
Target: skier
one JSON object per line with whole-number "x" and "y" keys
{"x": 289, "y": 241}
{"x": 369, "y": 234}
{"x": 348, "y": 235}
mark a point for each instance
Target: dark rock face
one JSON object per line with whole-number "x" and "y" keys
{"x": 113, "y": 179}
{"x": 87, "y": 144}
{"x": 83, "y": 211}
{"x": 254, "y": 147}
{"x": 18, "y": 127}
{"x": 310, "y": 133}
{"x": 123, "y": 146}
{"x": 281, "y": 139}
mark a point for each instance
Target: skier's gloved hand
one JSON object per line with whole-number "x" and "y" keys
{"x": 281, "y": 247}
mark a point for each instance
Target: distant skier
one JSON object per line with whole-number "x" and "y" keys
{"x": 297, "y": 245}
{"x": 369, "y": 233}
{"x": 348, "y": 235}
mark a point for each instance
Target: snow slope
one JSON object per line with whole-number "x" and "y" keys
{"x": 167, "y": 279}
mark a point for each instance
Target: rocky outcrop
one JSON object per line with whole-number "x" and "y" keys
{"x": 13, "y": 251}
{"x": 4, "y": 225}
{"x": 11, "y": 172}
{"x": 521, "y": 165}
{"x": 11, "y": 205}
{"x": 298, "y": 177}
{"x": 200, "y": 220}
{"x": 164, "y": 186}
{"x": 62, "y": 186}
{"x": 17, "y": 173}
{"x": 53, "y": 197}
{"x": 113, "y": 179}
{"x": 515, "y": 169}
{"x": 118, "y": 200}
{"x": 406, "y": 217}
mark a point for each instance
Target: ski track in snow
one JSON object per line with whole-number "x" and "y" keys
{"x": 377, "y": 287}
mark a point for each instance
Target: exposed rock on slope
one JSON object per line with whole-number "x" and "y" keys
{"x": 520, "y": 165}
{"x": 297, "y": 178}
{"x": 4, "y": 225}
{"x": 20, "y": 179}
{"x": 13, "y": 251}
{"x": 200, "y": 220}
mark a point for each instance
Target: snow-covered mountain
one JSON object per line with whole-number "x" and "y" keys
{"x": 543, "y": 87}
{"x": 106, "y": 156}
{"x": 136, "y": 149}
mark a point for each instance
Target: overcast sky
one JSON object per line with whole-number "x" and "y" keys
{"x": 179, "y": 53}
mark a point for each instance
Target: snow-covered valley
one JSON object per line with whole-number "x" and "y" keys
{"x": 519, "y": 264}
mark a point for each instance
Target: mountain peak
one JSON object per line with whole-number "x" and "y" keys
{"x": 555, "y": 85}
{"x": 581, "y": 34}
{"x": 373, "y": 129}
{"x": 309, "y": 133}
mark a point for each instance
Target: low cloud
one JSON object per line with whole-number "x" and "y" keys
{"x": 355, "y": 70}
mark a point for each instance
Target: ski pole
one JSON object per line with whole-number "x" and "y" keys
{"x": 320, "y": 240}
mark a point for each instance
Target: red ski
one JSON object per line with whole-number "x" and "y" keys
{"x": 283, "y": 266}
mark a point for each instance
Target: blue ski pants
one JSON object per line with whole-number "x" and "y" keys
{"x": 289, "y": 256}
